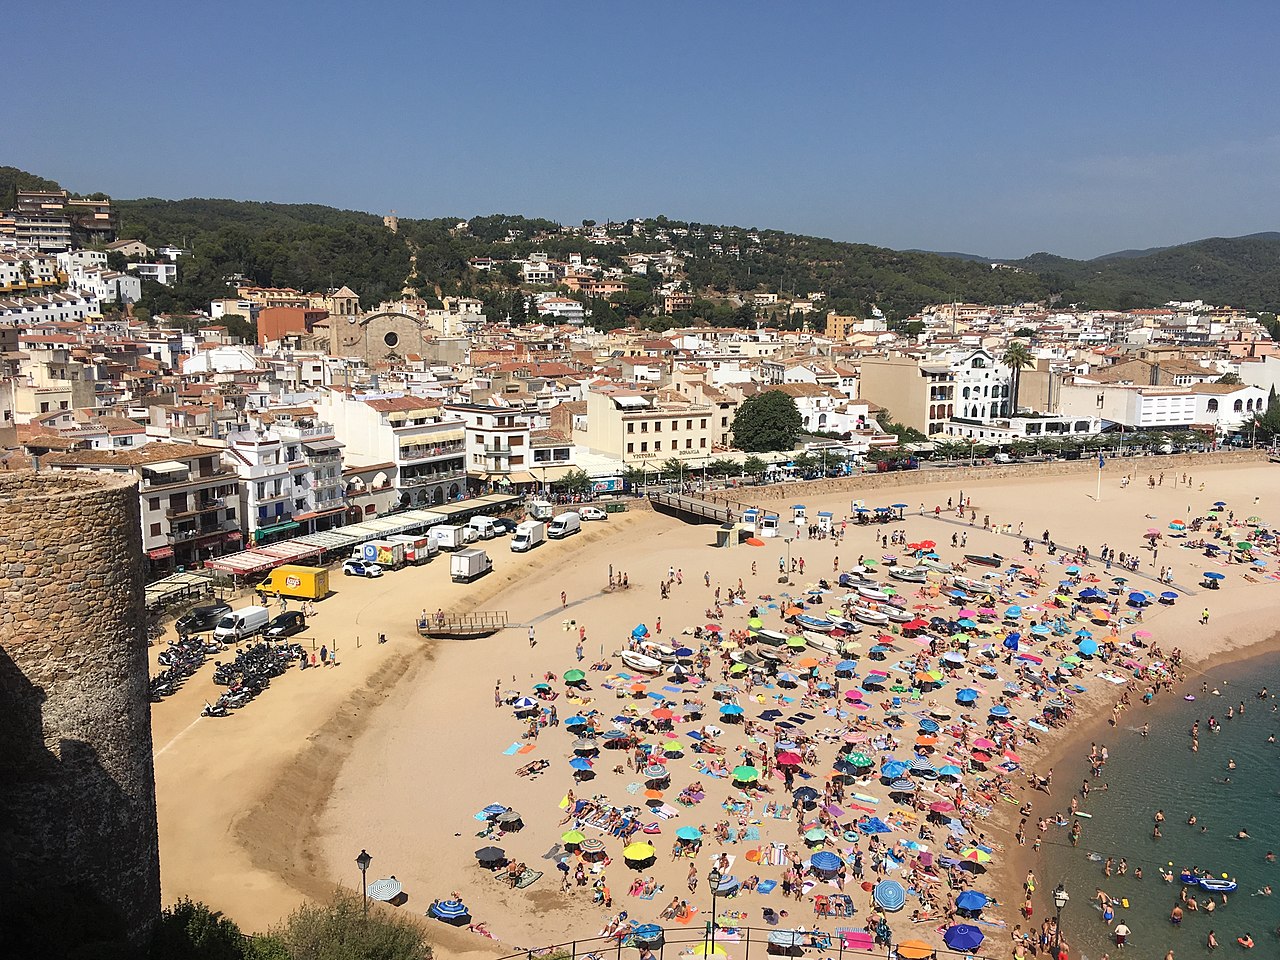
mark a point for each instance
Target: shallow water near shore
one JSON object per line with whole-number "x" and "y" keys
{"x": 1160, "y": 772}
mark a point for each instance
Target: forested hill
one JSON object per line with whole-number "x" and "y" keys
{"x": 310, "y": 246}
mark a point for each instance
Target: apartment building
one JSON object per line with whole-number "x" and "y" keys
{"x": 635, "y": 427}
{"x": 498, "y": 444}
{"x": 189, "y": 499}
{"x": 25, "y": 270}
{"x": 163, "y": 273}
{"x": 422, "y": 446}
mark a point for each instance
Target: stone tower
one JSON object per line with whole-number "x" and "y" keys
{"x": 78, "y": 855}
{"x": 391, "y": 222}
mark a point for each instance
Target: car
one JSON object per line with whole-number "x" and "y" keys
{"x": 504, "y": 526}
{"x": 286, "y": 625}
{"x": 201, "y": 619}
{"x": 593, "y": 513}
{"x": 359, "y": 568}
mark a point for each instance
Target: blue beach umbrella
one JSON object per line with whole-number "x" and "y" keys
{"x": 450, "y": 911}
{"x": 576, "y": 722}
{"x": 689, "y": 833}
{"x": 930, "y": 726}
{"x": 972, "y": 900}
{"x": 950, "y": 770}
{"x": 893, "y": 769}
{"x": 902, "y": 786}
{"x": 964, "y": 937}
{"x": 826, "y": 861}
{"x": 1088, "y": 647}
{"x": 889, "y": 894}
{"x": 523, "y": 704}
{"x": 581, "y": 763}
{"x": 731, "y": 710}
{"x": 647, "y": 932}
{"x": 1011, "y": 642}
{"x": 999, "y": 710}
{"x": 967, "y": 695}
{"x": 1214, "y": 575}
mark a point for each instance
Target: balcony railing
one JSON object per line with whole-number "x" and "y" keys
{"x": 425, "y": 479}
{"x": 428, "y": 450}
{"x": 206, "y": 506}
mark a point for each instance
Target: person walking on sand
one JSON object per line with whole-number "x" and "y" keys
{"x": 533, "y": 642}
{"x": 693, "y": 878}
{"x": 564, "y": 600}
{"x": 1204, "y": 616}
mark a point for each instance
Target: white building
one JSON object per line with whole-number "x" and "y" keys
{"x": 419, "y": 446}
{"x": 1227, "y": 408}
{"x": 107, "y": 286}
{"x": 25, "y": 311}
{"x": 163, "y": 273}
{"x": 221, "y": 359}
{"x": 563, "y": 308}
{"x": 26, "y": 271}
{"x": 983, "y": 385}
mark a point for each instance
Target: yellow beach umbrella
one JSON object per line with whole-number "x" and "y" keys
{"x": 638, "y": 851}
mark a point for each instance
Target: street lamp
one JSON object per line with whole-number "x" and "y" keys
{"x": 787, "y": 541}
{"x": 713, "y": 878}
{"x": 363, "y": 862}
{"x": 1060, "y": 899}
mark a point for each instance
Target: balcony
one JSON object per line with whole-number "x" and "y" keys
{"x": 205, "y": 506}
{"x": 426, "y": 479}
{"x": 427, "y": 451}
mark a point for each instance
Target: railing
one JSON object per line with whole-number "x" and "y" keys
{"x": 463, "y": 625}
{"x": 422, "y": 451}
{"x": 738, "y": 942}
{"x": 205, "y": 507}
{"x": 422, "y": 480}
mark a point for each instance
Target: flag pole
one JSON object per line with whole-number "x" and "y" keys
{"x": 1098, "y": 497}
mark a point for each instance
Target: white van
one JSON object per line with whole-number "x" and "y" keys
{"x": 484, "y": 527}
{"x": 564, "y": 525}
{"x": 242, "y": 623}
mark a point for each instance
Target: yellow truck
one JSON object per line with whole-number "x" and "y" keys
{"x": 304, "y": 583}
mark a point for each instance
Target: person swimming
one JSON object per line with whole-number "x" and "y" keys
{"x": 1242, "y": 835}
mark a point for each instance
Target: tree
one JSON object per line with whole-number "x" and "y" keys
{"x": 1267, "y": 425}
{"x": 575, "y": 481}
{"x": 339, "y": 930}
{"x": 754, "y": 466}
{"x": 722, "y": 467}
{"x": 672, "y": 468}
{"x": 1230, "y": 378}
{"x": 768, "y": 421}
{"x": 189, "y": 930}
{"x": 1016, "y": 357}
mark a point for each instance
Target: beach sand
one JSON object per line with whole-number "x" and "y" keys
{"x": 399, "y": 747}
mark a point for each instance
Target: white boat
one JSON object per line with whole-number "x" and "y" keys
{"x": 895, "y": 614}
{"x": 873, "y": 617}
{"x": 872, "y": 593}
{"x": 659, "y": 651}
{"x": 638, "y": 661}
{"x": 972, "y": 586}
{"x": 776, "y": 637}
{"x": 909, "y": 574}
{"x": 823, "y": 644}
{"x": 940, "y": 565}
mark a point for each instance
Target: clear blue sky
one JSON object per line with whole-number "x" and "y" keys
{"x": 998, "y": 128}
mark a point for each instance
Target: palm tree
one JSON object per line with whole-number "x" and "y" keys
{"x": 1016, "y": 357}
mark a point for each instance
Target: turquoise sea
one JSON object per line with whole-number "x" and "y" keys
{"x": 1144, "y": 775}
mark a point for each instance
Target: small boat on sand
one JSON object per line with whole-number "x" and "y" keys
{"x": 983, "y": 560}
{"x": 873, "y": 617}
{"x": 638, "y": 661}
{"x": 819, "y": 624}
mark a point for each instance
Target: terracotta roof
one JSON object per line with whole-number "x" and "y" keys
{"x": 151, "y": 453}
{"x": 402, "y": 404}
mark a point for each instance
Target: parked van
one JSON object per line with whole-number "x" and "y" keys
{"x": 528, "y": 535}
{"x": 484, "y": 527}
{"x": 564, "y": 525}
{"x": 242, "y": 623}
{"x": 448, "y": 536}
{"x": 291, "y": 580}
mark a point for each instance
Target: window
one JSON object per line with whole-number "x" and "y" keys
{"x": 631, "y": 448}
{"x": 155, "y": 529}
{"x": 703, "y": 443}
{"x": 688, "y": 444}
{"x": 704, "y": 423}
{"x": 644, "y": 426}
{"x": 1238, "y": 406}
{"x": 657, "y": 447}
{"x": 644, "y": 446}
{"x": 688, "y": 424}
{"x": 391, "y": 338}
{"x": 631, "y": 427}
{"x": 1213, "y": 406}
{"x": 154, "y": 503}
{"x": 724, "y": 422}
{"x": 657, "y": 426}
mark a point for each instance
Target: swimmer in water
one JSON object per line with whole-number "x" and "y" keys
{"x": 1242, "y": 835}
{"x": 1231, "y": 763}
{"x": 1191, "y": 820}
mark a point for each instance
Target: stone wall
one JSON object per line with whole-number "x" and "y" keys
{"x": 78, "y": 851}
{"x": 960, "y": 475}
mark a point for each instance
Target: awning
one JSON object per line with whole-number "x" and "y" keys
{"x": 521, "y": 476}
{"x": 322, "y": 444}
{"x": 160, "y": 553}
{"x": 165, "y": 466}
{"x": 277, "y": 528}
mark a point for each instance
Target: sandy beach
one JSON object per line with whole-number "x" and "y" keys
{"x": 397, "y": 749}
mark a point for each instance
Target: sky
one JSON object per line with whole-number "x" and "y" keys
{"x": 995, "y": 128}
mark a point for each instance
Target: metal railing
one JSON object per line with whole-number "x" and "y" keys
{"x": 740, "y": 942}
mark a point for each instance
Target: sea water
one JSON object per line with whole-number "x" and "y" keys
{"x": 1160, "y": 772}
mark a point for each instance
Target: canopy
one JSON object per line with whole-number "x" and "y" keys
{"x": 913, "y": 950}
{"x": 963, "y": 936}
{"x": 971, "y": 900}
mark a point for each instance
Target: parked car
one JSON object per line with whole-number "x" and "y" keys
{"x": 593, "y": 513}
{"x": 504, "y": 526}
{"x": 359, "y": 568}
{"x": 286, "y": 625}
{"x": 201, "y": 619}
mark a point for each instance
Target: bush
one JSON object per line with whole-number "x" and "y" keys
{"x": 339, "y": 930}
{"x": 191, "y": 931}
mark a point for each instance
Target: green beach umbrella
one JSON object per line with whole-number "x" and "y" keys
{"x": 817, "y": 833}
{"x": 795, "y": 642}
{"x": 1073, "y": 660}
{"x": 573, "y": 836}
{"x": 675, "y": 746}
{"x": 746, "y": 774}
{"x": 755, "y": 623}
{"x": 738, "y": 668}
{"x": 859, "y": 760}
{"x": 573, "y": 676}
{"x": 871, "y": 563}
{"x": 889, "y": 591}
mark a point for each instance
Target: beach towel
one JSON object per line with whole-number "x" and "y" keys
{"x": 633, "y": 788}
{"x": 528, "y": 748}
{"x": 751, "y": 833}
{"x": 766, "y": 886}
{"x": 693, "y": 912}
{"x": 512, "y": 750}
{"x": 526, "y": 879}
{"x": 650, "y": 896}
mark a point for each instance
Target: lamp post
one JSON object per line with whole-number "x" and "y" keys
{"x": 1060, "y": 899}
{"x": 363, "y": 862}
{"x": 713, "y": 878}
{"x": 787, "y": 541}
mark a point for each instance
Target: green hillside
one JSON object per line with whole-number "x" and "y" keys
{"x": 311, "y": 246}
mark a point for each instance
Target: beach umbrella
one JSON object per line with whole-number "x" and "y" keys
{"x": 788, "y": 759}
{"x": 661, "y": 713}
{"x": 705, "y": 949}
{"x": 738, "y": 668}
{"x": 689, "y": 833}
{"x": 584, "y": 745}
{"x": 846, "y": 668}
{"x": 451, "y": 911}
{"x": 815, "y": 835}
{"x": 963, "y": 937}
{"x": 975, "y": 855}
{"x": 580, "y": 763}
{"x": 591, "y": 845}
{"x": 853, "y": 695}
{"x": 638, "y": 851}
{"x": 860, "y": 760}
{"x": 826, "y": 861}
{"x": 574, "y": 676}
{"x": 491, "y": 855}
{"x": 1088, "y": 647}
{"x": 524, "y": 704}
{"x": 575, "y": 721}
{"x": 999, "y": 710}
{"x": 967, "y": 695}
{"x": 675, "y": 746}
{"x": 921, "y": 765}
{"x": 902, "y": 786}
{"x": 731, "y": 710}
{"x": 941, "y": 806}
{"x": 805, "y": 794}
{"x": 893, "y": 769}
{"x": 510, "y": 821}
{"x": 746, "y": 774}
{"x": 656, "y": 771}
{"x": 971, "y": 900}
{"x": 648, "y": 933}
{"x": 953, "y": 656}
{"x": 1214, "y": 575}
{"x": 913, "y": 949}
{"x": 890, "y": 895}
{"x": 572, "y": 838}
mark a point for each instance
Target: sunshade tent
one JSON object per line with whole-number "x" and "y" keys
{"x": 638, "y": 851}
